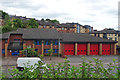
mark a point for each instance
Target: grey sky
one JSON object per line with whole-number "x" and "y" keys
{"x": 98, "y": 13}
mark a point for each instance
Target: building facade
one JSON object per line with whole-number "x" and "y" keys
{"x": 41, "y": 40}
{"x": 110, "y": 34}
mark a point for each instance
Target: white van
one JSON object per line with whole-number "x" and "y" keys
{"x": 23, "y": 62}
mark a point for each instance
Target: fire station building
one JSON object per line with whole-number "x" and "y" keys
{"x": 41, "y": 40}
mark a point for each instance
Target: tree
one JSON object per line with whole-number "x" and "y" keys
{"x": 50, "y": 51}
{"x": 32, "y": 23}
{"x": 7, "y": 25}
{"x": 3, "y": 14}
{"x": 42, "y": 19}
{"x": 47, "y": 20}
{"x": 17, "y": 23}
{"x": 29, "y": 52}
{"x": 54, "y": 21}
{"x": 25, "y": 24}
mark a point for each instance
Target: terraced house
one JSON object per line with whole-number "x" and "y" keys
{"x": 61, "y": 42}
{"x": 66, "y": 27}
{"x": 63, "y": 27}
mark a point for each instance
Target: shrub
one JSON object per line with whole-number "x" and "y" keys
{"x": 65, "y": 70}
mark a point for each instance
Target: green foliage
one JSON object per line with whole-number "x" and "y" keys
{"x": 54, "y": 21}
{"x": 50, "y": 51}
{"x": 49, "y": 20}
{"x": 42, "y": 19}
{"x": 4, "y": 14}
{"x": 25, "y": 24}
{"x": 17, "y": 23}
{"x": 32, "y": 23}
{"x": 30, "y": 52}
{"x": 65, "y": 70}
{"x": 7, "y": 24}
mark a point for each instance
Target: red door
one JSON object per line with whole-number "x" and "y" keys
{"x": 81, "y": 49}
{"x": 105, "y": 49}
{"x": 94, "y": 49}
{"x": 69, "y": 49}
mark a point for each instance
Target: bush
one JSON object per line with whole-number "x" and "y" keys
{"x": 65, "y": 70}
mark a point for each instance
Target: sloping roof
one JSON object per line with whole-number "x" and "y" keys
{"x": 36, "y": 33}
{"x": 111, "y": 31}
{"x": 47, "y": 23}
{"x": 82, "y": 37}
{"x": 66, "y": 25}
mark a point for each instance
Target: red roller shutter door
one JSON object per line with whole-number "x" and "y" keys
{"x": 69, "y": 49}
{"x": 81, "y": 49}
{"x": 105, "y": 49}
{"x": 94, "y": 49}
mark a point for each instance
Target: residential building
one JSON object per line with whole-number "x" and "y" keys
{"x": 110, "y": 34}
{"x": 41, "y": 40}
{"x": 88, "y": 28}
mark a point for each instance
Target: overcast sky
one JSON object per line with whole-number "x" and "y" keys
{"x": 97, "y": 13}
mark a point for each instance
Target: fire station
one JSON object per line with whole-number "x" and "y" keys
{"x": 41, "y": 40}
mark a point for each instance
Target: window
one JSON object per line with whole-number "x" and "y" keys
{"x": 69, "y": 50}
{"x": 108, "y": 50}
{"x": 96, "y": 50}
{"x": 65, "y": 50}
{"x": 3, "y": 51}
{"x": 102, "y": 50}
{"x": 98, "y": 35}
{"x": 55, "y": 50}
{"x": 78, "y": 50}
{"x": 110, "y": 38}
{"x": 81, "y": 50}
{"x": 90, "y": 50}
{"x": 16, "y": 44}
{"x": 38, "y": 42}
{"x": 84, "y": 50}
{"x": 93, "y": 50}
{"x": 55, "y": 42}
{"x": 72, "y": 50}
{"x": 95, "y": 34}
{"x": 47, "y": 42}
{"x": 46, "y": 50}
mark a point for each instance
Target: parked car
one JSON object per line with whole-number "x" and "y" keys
{"x": 23, "y": 62}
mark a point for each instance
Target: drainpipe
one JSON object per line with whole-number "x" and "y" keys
{"x": 59, "y": 47}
